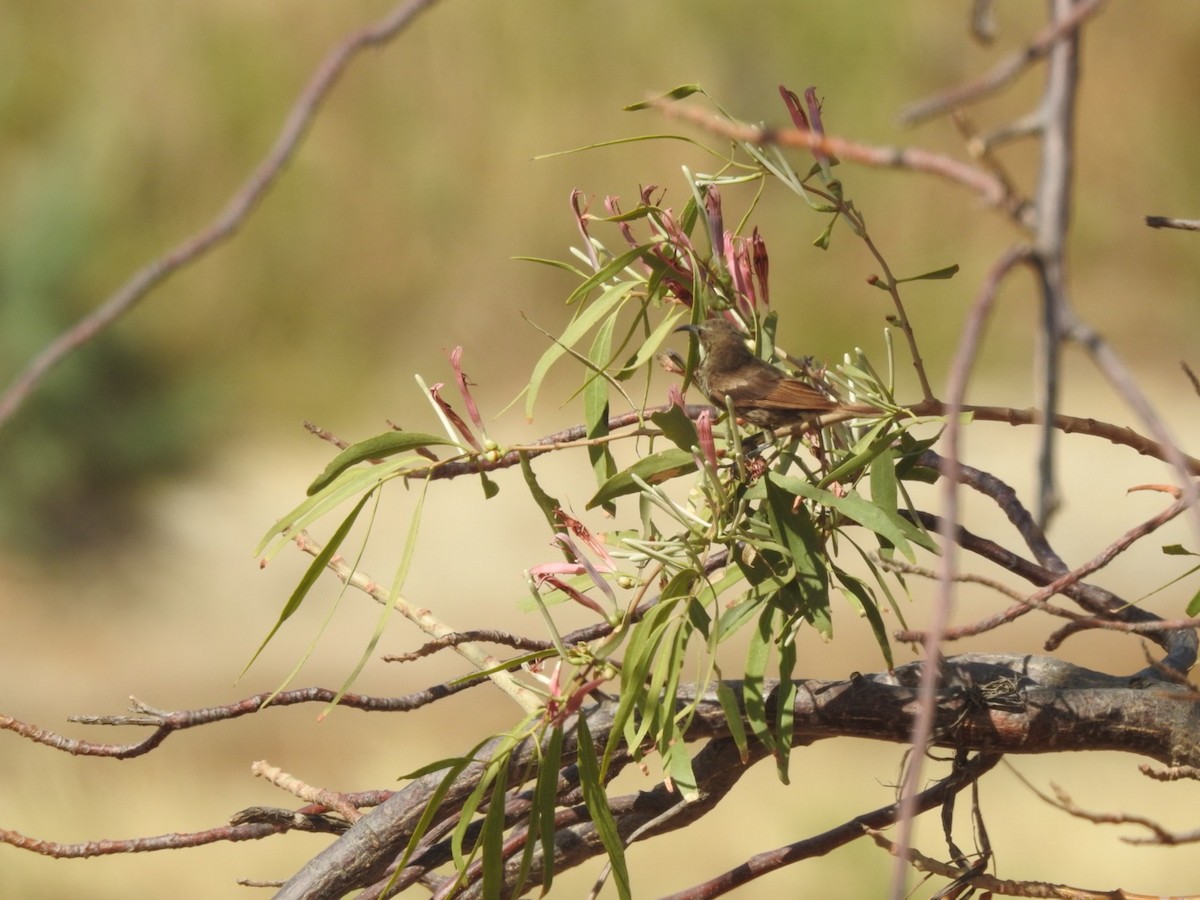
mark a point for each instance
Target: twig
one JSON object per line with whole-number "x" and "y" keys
{"x": 956, "y": 386}
{"x": 990, "y": 189}
{"x": 1166, "y": 222}
{"x": 426, "y": 621}
{"x": 488, "y": 635}
{"x": 764, "y": 863}
{"x": 1004, "y": 71}
{"x": 238, "y": 208}
{"x": 295, "y": 786}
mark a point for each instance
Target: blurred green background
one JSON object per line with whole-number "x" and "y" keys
{"x": 139, "y": 478}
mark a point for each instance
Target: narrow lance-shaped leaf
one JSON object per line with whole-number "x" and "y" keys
{"x": 410, "y": 543}
{"x": 941, "y": 274}
{"x": 785, "y": 697}
{"x": 607, "y": 303}
{"x": 545, "y": 799}
{"x": 676, "y": 93}
{"x": 595, "y": 405}
{"x": 596, "y": 800}
{"x": 379, "y": 447}
{"x": 733, "y": 718}
{"x": 314, "y": 570}
{"x": 653, "y": 469}
{"x": 859, "y": 594}
{"x": 753, "y": 688}
{"x": 547, "y": 504}
{"x": 796, "y": 530}
{"x": 492, "y": 839}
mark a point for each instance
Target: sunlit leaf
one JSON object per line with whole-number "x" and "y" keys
{"x": 491, "y": 841}
{"x": 1193, "y": 608}
{"x": 546, "y": 799}
{"x": 733, "y": 718}
{"x": 795, "y": 528}
{"x": 897, "y": 531}
{"x": 753, "y": 684}
{"x": 653, "y": 469}
{"x": 606, "y": 304}
{"x": 936, "y": 275}
{"x": 547, "y": 504}
{"x": 676, "y": 427}
{"x": 650, "y": 346}
{"x": 310, "y": 576}
{"x": 861, "y": 597}
{"x": 676, "y": 93}
{"x": 379, "y": 447}
{"x": 595, "y": 404}
{"x": 406, "y": 556}
{"x": 596, "y": 800}
{"x": 785, "y": 698}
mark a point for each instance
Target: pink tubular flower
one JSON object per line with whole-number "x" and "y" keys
{"x": 581, "y": 217}
{"x": 435, "y": 391}
{"x": 705, "y": 436}
{"x": 761, "y": 265}
{"x": 547, "y": 573}
{"x": 461, "y": 378}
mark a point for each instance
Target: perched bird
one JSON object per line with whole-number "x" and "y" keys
{"x": 761, "y": 393}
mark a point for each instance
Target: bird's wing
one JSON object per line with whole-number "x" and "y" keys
{"x": 790, "y": 393}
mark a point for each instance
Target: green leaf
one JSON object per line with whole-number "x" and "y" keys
{"x": 545, "y": 800}
{"x": 553, "y": 263}
{"x": 644, "y": 641}
{"x": 379, "y": 447}
{"x": 785, "y": 698}
{"x": 650, "y": 346}
{"x": 936, "y": 275}
{"x": 1193, "y": 608}
{"x": 547, "y": 504}
{"x": 890, "y": 526}
{"x": 1177, "y": 550}
{"x": 856, "y": 589}
{"x": 490, "y": 488}
{"x": 878, "y": 439}
{"x": 733, "y": 718}
{"x": 757, "y": 655}
{"x": 314, "y": 570}
{"x": 795, "y": 528}
{"x": 492, "y": 840}
{"x": 607, "y": 303}
{"x": 454, "y": 767}
{"x": 678, "y": 764}
{"x": 676, "y": 427}
{"x": 653, "y": 469}
{"x": 595, "y": 404}
{"x": 884, "y": 487}
{"x": 596, "y": 801}
{"x": 410, "y": 543}
{"x": 676, "y": 93}
{"x": 821, "y": 241}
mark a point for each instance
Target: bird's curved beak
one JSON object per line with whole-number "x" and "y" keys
{"x": 694, "y": 329}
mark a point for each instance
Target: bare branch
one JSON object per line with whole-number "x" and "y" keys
{"x": 228, "y": 221}
{"x": 992, "y": 190}
{"x": 1003, "y": 72}
{"x": 763, "y": 863}
{"x": 1166, "y": 222}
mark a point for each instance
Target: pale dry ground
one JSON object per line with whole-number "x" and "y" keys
{"x": 175, "y": 621}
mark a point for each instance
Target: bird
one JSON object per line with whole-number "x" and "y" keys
{"x": 760, "y": 393}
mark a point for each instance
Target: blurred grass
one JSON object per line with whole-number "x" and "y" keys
{"x": 127, "y": 125}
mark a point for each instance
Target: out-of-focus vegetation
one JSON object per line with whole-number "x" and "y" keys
{"x": 127, "y": 124}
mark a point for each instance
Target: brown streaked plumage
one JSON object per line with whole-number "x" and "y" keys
{"x": 761, "y": 393}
